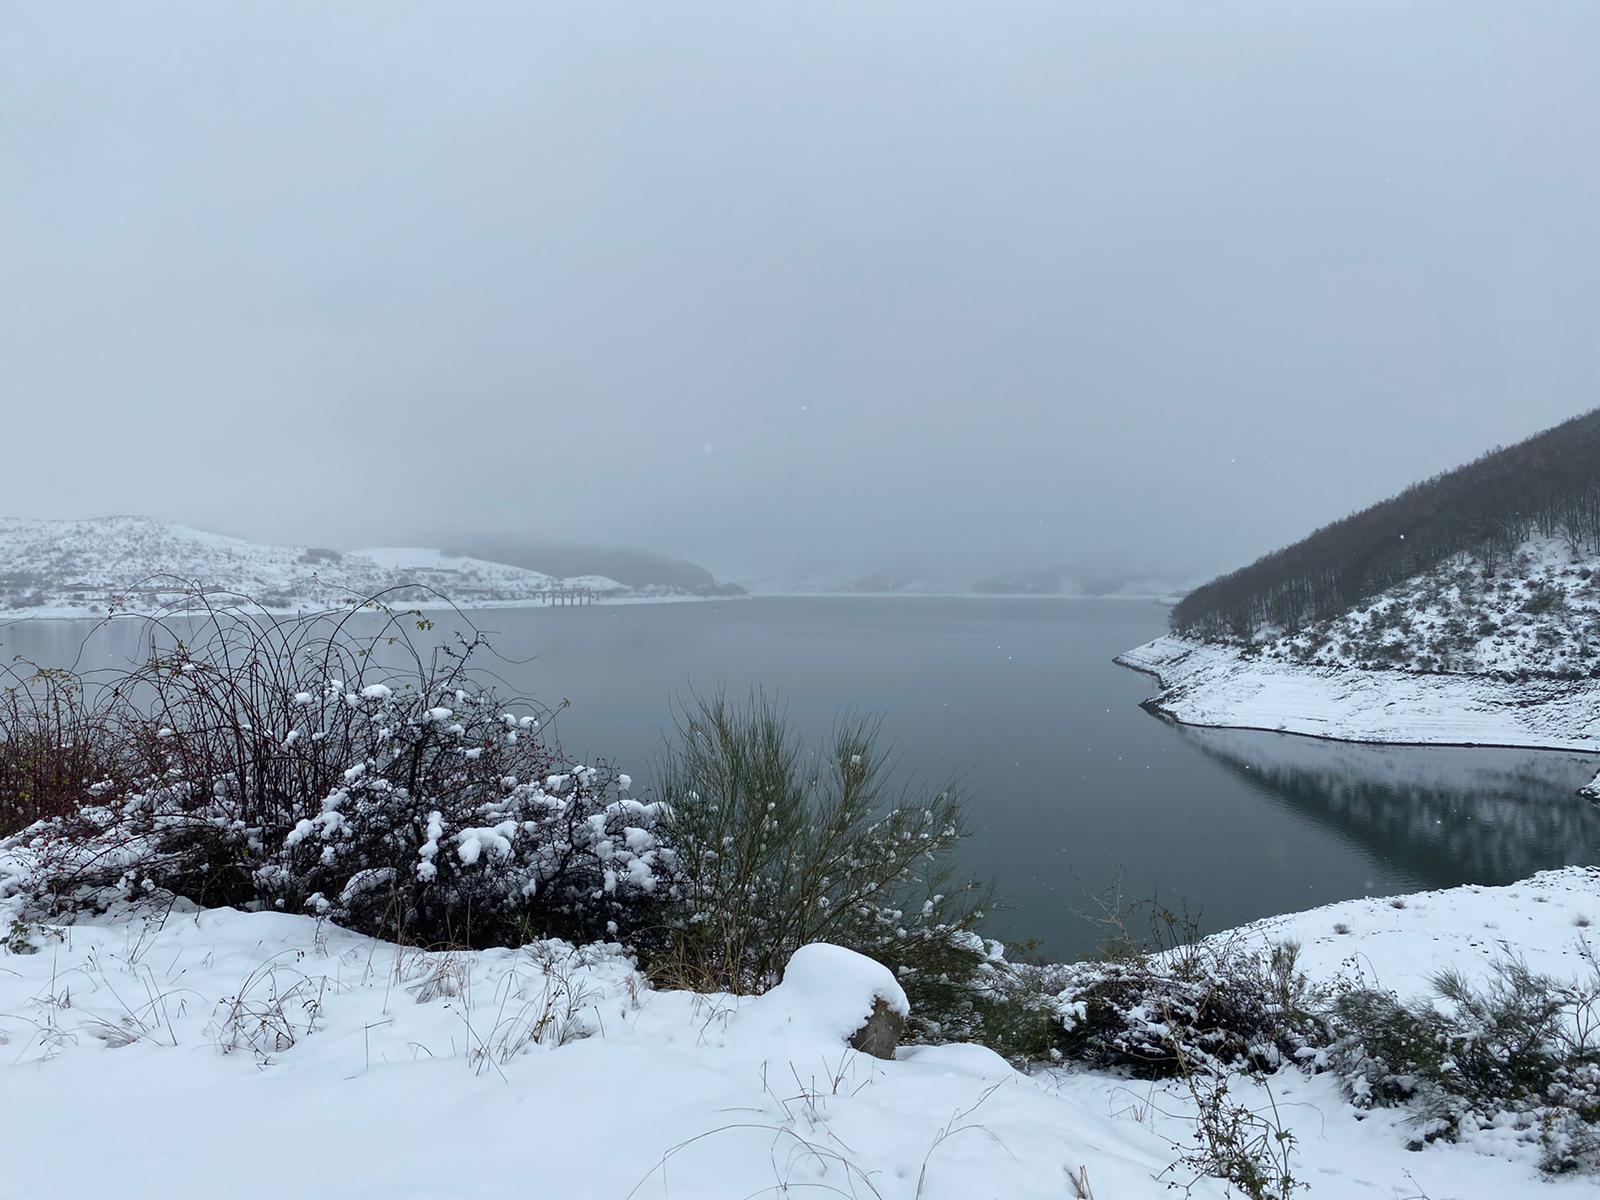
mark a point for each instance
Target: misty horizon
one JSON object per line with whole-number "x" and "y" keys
{"x": 777, "y": 292}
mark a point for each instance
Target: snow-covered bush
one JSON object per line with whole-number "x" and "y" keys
{"x": 778, "y": 848}
{"x": 304, "y": 766}
{"x": 1518, "y": 1052}
{"x": 1249, "y": 1147}
{"x": 1191, "y": 1005}
{"x": 47, "y": 751}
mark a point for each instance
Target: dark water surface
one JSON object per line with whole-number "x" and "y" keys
{"x": 1074, "y": 790}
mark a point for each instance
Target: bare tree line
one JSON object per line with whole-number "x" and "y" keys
{"x": 1547, "y": 485}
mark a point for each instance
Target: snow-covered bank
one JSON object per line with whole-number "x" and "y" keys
{"x": 327, "y": 1064}
{"x": 1207, "y": 684}
{"x": 203, "y": 1054}
{"x": 1399, "y": 943}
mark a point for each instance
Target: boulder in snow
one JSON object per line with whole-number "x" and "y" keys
{"x": 881, "y": 1033}
{"x": 832, "y": 995}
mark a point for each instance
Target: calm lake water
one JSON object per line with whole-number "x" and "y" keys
{"x": 1074, "y": 790}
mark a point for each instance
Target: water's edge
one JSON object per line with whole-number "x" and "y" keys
{"x": 1182, "y": 701}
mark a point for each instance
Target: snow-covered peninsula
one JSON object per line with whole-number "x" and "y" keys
{"x": 1463, "y": 610}
{"x": 1471, "y": 653}
{"x": 1203, "y": 683}
{"x": 138, "y": 564}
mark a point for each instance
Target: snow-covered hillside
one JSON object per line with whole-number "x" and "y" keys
{"x": 1538, "y": 616}
{"x": 81, "y": 568}
{"x": 290, "y": 1057}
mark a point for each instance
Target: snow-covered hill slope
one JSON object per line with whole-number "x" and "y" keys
{"x": 80, "y": 568}
{"x": 1539, "y": 615}
{"x": 182, "y": 1054}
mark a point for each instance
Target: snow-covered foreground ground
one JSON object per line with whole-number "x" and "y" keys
{"x": 1207, "y": 684}
{"x": 418, "y": 1075}
{"x": 219, "y": 1053}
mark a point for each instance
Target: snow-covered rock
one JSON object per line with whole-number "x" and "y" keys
{"x": 828, "y": 995}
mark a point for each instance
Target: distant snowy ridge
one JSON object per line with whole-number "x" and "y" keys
{"x": 82, "y": 568}
{"x": 1204, "y": 683}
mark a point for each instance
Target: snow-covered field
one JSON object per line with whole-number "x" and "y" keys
{"x": 186, "y": 1054}
{"x": 70, "y": 569}
{"x": 1204, "y": 683}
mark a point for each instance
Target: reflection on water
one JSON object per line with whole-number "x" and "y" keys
{"x": 1449, "y": 815}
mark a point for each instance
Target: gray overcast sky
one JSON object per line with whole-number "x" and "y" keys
{"x": 779, "y": 286}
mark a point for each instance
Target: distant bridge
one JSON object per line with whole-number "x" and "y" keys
{"x": 566, "y": 595}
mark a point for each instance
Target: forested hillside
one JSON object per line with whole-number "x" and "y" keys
{"x": 1539, "y": 614}
{"x": 1483, "y": 515}
{"x": 641, "y": 569}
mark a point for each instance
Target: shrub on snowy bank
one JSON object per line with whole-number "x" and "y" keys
{"x": 48, "y": 745}
{"x": 1179, "y": 1004}
{"x": 1515, "y": 1057}
{"x": 276, "y": 764}
{"x": 1518, "y": 1054}
{"x": 778, "y": 848}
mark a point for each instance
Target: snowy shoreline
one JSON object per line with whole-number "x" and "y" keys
{"x": 1213, "y": 685}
